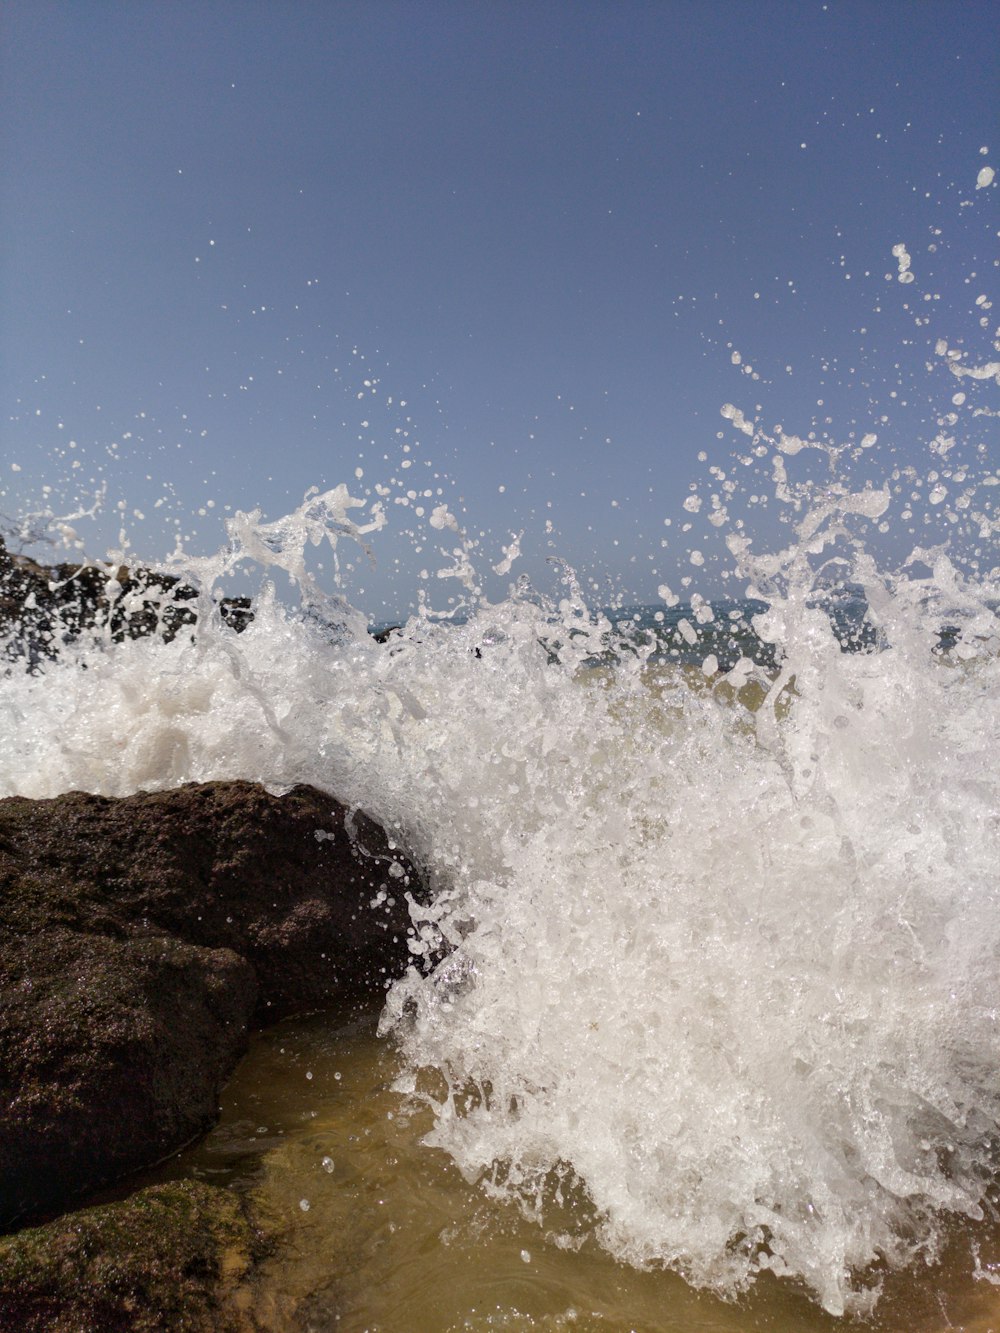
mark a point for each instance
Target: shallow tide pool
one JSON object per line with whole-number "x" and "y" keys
{"x": 379, "y": 1233}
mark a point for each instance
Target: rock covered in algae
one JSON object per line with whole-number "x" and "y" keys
{"x": 141, "y": 937}
{"x": 175, "y": 1256}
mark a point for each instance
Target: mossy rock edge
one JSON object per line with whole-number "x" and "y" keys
{"x": 178, "y": 1256}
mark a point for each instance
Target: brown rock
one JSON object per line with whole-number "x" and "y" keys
{"x": 139, "y": 938}
{"x": 178, "y": 1256}
{"x": 113, "y": 1052}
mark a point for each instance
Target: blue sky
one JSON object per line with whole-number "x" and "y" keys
{"x": 538, "y": 231}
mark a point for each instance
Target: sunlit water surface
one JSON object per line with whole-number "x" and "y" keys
{"x": 379, "y": 1233}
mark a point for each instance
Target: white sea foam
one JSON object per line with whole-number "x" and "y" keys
{"x": 741, "y": 981}
{"x": 736, "y": 973}
{"x": 730, "y": 976}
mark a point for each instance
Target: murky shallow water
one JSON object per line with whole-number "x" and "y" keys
{"x": 383, "y": 1235}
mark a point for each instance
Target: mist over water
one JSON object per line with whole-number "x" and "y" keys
{"x": 711, "y": 967}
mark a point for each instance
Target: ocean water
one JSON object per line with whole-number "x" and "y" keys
{"x": 710, "y": 978}
{"x": 380, "y": 1232}
{"x": 714, "y": 940}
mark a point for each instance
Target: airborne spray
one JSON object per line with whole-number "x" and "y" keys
{"x": 714, "y": 935}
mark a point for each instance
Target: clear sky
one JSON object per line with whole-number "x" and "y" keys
{"x": 251, "y": 247}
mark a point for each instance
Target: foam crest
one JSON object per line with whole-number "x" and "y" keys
{"x": 732, "y": 973}
{"x": 710, "y": 969}
{"x": 744, "y": 992}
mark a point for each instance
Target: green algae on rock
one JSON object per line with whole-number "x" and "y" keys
{"x": 174, "y": 1256}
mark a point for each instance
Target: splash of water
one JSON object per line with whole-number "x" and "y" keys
{"x": 713, "y": 951}
{"x": 731, "y": 973}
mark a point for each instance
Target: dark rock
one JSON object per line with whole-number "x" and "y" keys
{"x": 177, "y": 1256}
{"x": 113, "y": 1052}
{"x": 384, "y": 633}
{"x": 236, "y": 612}
{"x": 45, "y": 606}
{"x": 138, "y": 940}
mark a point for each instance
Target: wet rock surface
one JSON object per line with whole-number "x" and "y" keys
{"x": 45, "y": 606}
{"x": 176, "y": 1256}
{"x": 140, "y": 939}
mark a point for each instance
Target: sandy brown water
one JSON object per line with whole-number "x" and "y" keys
{"x": 381, "y": 1234}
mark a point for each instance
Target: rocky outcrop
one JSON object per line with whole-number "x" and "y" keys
{"x": 44, "y": 606}
{"x": 140, "y": 939}
{"x": 113, "y": 1052}
{"x": 176, "y": 1256}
